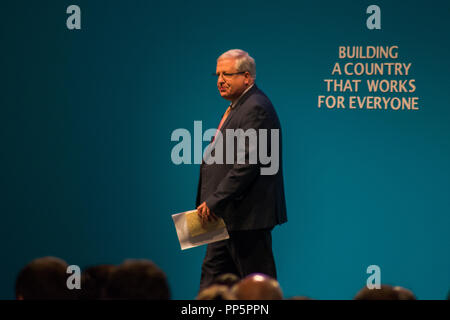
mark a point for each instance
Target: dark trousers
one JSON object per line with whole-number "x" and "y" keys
{"x": 245, "y": 252}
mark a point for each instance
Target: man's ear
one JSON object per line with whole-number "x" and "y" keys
{"x": 247, "y": 78}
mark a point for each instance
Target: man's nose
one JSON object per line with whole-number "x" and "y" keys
{"x": 220, "y": 78}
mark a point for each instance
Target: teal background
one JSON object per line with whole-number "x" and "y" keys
{"x": 86, "y": 118}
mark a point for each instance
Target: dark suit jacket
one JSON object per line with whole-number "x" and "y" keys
{"x": 238, "y": 193}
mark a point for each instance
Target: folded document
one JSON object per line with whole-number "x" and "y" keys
{"x": 191, "y": 233}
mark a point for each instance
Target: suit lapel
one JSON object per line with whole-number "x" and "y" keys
{"x": 235, "y": 109}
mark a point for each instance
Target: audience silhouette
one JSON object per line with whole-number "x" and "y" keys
{"x": 46, "y": 279}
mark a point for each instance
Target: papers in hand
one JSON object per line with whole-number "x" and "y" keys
{"x": 191, "y": 233}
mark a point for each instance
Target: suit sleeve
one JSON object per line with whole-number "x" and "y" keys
{"x": 240, "y": 177}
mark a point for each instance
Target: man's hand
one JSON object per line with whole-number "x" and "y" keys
{"x": 205, "y": 214}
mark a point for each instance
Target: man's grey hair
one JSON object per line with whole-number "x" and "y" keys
{"x": 243, "y": 61}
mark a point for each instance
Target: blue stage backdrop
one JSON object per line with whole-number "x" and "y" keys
{"x": 87, "y": 115}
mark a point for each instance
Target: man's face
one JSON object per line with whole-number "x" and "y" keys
{"x": 231, "y": 86}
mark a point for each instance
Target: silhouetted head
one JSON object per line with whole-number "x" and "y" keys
{"x": 257, "y": 286}
{"x": 138, "y": 280}
{"x": 386, "y": 292}
{"x": 94, "y": 280}
{"x": 404, "y": 294}
{"x": 226, "y": 279}
{"x": 44, "y": 278}
{"x": 300, "y": 298}
{"x": 216, "y": 292}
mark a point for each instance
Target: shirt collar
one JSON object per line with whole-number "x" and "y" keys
{"x": 234, "y": 103}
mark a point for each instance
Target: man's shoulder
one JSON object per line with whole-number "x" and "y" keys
{"x": 258, "y": 106}
{"x": 256, "y": 99}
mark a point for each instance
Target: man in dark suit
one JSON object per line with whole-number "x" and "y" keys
{"x": 250, "y": 201}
